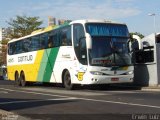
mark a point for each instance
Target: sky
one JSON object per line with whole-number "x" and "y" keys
{"x": 134, "y": 13}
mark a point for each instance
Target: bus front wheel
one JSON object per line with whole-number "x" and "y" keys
{"x": 67, "y": 81}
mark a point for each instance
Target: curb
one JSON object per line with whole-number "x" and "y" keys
{"x": 134, "y": 87}
{"x": 156, "y": 89}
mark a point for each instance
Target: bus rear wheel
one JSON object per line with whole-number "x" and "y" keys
{"x": 17, "y": 79}
{"x": 67, "y": 81}
{"x": 22, "y": 79}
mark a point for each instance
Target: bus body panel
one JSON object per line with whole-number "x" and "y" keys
{"x": 66, "y": 60}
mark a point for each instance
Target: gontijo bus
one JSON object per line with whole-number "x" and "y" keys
{"x": 80, "y": 52}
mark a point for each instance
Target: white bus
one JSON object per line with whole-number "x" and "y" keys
{"x": 83, "y": 52}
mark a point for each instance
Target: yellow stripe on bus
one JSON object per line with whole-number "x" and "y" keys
{"x": 30, "y": 70}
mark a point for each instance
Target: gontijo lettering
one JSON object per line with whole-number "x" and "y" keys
{"x": 25, "y": 58}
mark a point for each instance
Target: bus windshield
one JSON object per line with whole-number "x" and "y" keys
{"x": 109, "y": 45}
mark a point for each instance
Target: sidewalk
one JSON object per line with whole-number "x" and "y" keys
{"x": 151, "y": 88}
{"x": 5, "y": 115}
{"x": 137, "y": 87}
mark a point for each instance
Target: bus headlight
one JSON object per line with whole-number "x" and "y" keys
{"x": 96, "y": 73}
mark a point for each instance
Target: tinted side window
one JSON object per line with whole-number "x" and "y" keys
{"x": 55, "y": 39}
{"x": 11, "y": 48}
{"x": 65, "y": 36}
{"x": 43, "y": 41}
{"x": 50, "y": 40}
{"x": 35, "y": 43}
{"x": 19, "y": 47}
{"x": 26, "y": 45}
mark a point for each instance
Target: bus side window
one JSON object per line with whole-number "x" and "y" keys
{"x": 55, "y": 39}
{"x": 9, "y": 49}
{"x": 65, "y": 36}
{"x": 43, "y": 41}
{"x": 64, "y": 39}
{"x": 13, "y": 47}
{"x": 35, "y": 43}
{"x": 69, "y": 41}
{"x": 50, "y": 42}
{"x": 18, "y": 47}
{"x": 26, "y": 45}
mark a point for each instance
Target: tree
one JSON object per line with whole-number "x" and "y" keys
{"x": 23, "y": 25}
{"x": 3, "y": 51}
{"x": 137, "y": 33}
{"x": 4, "y": 42}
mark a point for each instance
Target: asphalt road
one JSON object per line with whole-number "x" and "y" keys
{"x": 55, "y": 103}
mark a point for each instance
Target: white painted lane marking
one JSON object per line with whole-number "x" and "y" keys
{"x": 122, "y": 103}
{"x": 125, "y": 92}
{"x": 29, "y": 101}
{"x": 5, "y": 92}
{"x": 94, "y": 100}
{"x": 66, "y": 92}
{"x": 37, "y": 93}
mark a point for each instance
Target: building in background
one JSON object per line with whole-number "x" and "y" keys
{"x": 4, "y": 37}
{"x": 4, "y": 33}
{"x": 51, "y": 21}
{"x": 0, "y": 34}
{"x": 62, "y": 21}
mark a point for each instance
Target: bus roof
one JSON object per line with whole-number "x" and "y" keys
{"x": 40, "y": 31}
{"x": 95, "y": 21}
{"x": 49, "y": 28}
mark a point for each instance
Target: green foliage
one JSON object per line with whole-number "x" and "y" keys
{"x": 137, "y": 33}
{"x": 4, "y": 42}
{"x": 23, "y": 25}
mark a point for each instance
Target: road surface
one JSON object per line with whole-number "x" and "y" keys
{"x": 49, "y": 103}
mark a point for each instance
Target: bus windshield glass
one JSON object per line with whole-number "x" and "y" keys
{"x": 109, "y": 44}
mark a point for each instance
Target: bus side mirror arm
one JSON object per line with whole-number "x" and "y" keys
{"x": 136, "y": 37}
{"x": 135, "y": 43}
{"x": 88, "y": 41}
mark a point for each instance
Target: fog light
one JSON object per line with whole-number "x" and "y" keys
{"x": 96, "y": 73}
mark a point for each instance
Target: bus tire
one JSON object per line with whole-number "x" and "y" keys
{"x": 67, "y": 81}
{"x": 17, "y": 79}
{"x": 22, "y": 79}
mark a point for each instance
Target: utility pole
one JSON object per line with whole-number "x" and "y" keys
{"x": 154, "y": 21}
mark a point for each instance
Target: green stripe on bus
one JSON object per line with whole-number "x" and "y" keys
{"x": 43, "y": 65}
{"x": 52, "y": 55}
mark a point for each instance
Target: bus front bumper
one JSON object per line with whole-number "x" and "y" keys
{"x": 104, "y": 79}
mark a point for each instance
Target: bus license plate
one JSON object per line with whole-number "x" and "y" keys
{"x": 114, "y": 79}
